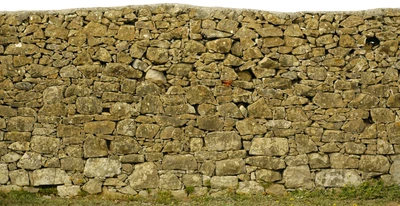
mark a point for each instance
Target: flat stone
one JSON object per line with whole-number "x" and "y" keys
{"x": 68, "y": 190}
{"x": 144, "y": 176}
{"x": 337, "y": 178}
{"x": 157, "y": 55}
{"x": 102, "y": 167}
{"x": 374, "y": 163}
{"x": 296, "y": 177}
{"x": 170, "y": 182}
{"x": 3, "y": 174}
{"x": 250, "y": 187}
{"x": 222, "y": 45}
{"x": 328, "y": 100}
{"x": 268, "y": 175}
{"x": 45, "y": 145}
{"x": 266, "y": 162}
{"x": 93, "y": 186}
{"x": 99, "y": 127}
{"x": 224, "y": 182}
{"x": 49, "y": 176}
{"x": 124, "y": 145}
{"x": 179, "y": 162}
{"x": 250, "y": 126}
{"x": 88, "y": 105}
{"x": 222, "y": 141}
{"x": 30, "y": 161}
{"x": 21, "y": 124}
{"x": 269, "y": 146}
{"x": 19, "y": 177}
{"x": 230, "y": 167}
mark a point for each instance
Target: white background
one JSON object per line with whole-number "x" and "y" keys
{"x": 267, "y": 5}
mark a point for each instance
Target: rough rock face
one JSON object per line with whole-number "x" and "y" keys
{"x": 168, "y": 97}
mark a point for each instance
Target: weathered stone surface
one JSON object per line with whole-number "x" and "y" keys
{"x": 49, "y": 176}
{"x": 72, "y": 163}
{"x": 328, "y": 100}
{"x": 147, "y": 131}
{"x": 93, "y": 186}
{"x": 222, "y": 45}
{"x": 121, "y": 70}
{"x": 266, "y": 162}
{"x": 99, "y": 127}
{"x": 144, "y": 176}
{"x": 250, "y": 126}
{"x": 364, "y": 101}
{"x": 382, "y": 115}
{"x": 19, "y": 177}
{"x": 30, "y": 161}
{"x": 95, "y": 147}
{"x": 151, "y": 104}
{"x": 211, "y": 123}
{"x": 179, "y": 162}
{"x": 221, "y": 141}
{"x": 124, "y": 145}
{"x": 7, "y": 111}
{"x": 260, "y": 109}
{"x": 276, "y": 189}
{"x": 88, "y": 105}
{"x": 304, "y": 144}
{"x": 199, "y": 94}
{"x": 3, "y": 174}
{"x": 394, "y": 171}
{"x": 343, "y": 161}
{"x": 21, "y": 124}
{"x": 10, "y": 157}
{"x": 230, "y": 167}
{"x": 102, "y": 167}
{"x": 68, "y": 190}
{"x": 126, "y": 32}
{"x": 250, "y": 187}
{"x": 45, "y": 145}
{"x": 193, "y": 180}
{"x": 269, "y": 146}
{"x": 298, "y": 177}
{"x": 155, "y": 76}
{"x": 377, "y": 163}
{"x": 157, "y": 55}
{"x": 268, "y": 175}
{"x": 224, "y": 182}
{"x": 170, "y": 182}
{"x": 337, "y": 178}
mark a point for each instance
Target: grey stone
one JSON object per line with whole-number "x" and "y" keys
{"x": 19, "y": 177}
{"x": 3, "y": 174}
{"x": 377, "y": 163}
{"x": 250, "y": 126}
{"x": 221, "y": 141}
{"x": 224, "y": 182}
{"x": 93, "y": 186}
{"x": 30, "y": 161}
{"x": 230, "y": 167}
{"x": 144, "y": 176}
{"x": 95, "y": 147}
{"x": 296, "y": 177}
{"x": 49, "y": 176}
{"x": 394, "y": 171}
{"x": 45, "y": 145}
{"x": 102, "y": 167}
{"x": 268, "y": 175}
{"x": 250, "y": 187}
{"x": 155, "y": 76}
{"x": 170, "y": 182}
{"x": 68, "y": 190}
{"x": 337, "y": 178}
{"x": 179, "y": 162}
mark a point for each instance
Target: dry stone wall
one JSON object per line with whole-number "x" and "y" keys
{"x": 180, "y": 98}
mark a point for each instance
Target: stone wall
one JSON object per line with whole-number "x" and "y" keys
{"x": 170, "y": 97}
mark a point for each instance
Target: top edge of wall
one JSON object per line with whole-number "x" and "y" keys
{"x": 205, "y": 11}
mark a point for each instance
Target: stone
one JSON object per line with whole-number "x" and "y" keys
{"x": 45, "y": 145}
{"x": 268, "y": 175}
{"x": 222, "y": 141}
{"x": 10, "y": 157}
{"x": 352, "y": 21}
{"x": 121, "y": 109}
{"x": 260, "y": 109}
{"x": 194, "y": 47}
{"x": 317, "y": 160}
{"x": 364, "y": 101}
{"x": 144, "y": 176}
{"x": 95, "y": 29}
{"x": 21, "y": 124}
{"x": 151, "y": 104}
{"x": 93, "y": 186}
{"x": 7, "y": 111}
{"x": 273, "y": 42}
{"x": 155, "y": 76}
{"x": 304, "y": 144}
{"x": 343, "y": 161}
{"x": 121, "y": 70}
{"x": 30, "y": 161}
{"x": 328, "y": 100}
{"x": 72, "y": 164}
{"x": 296, "y": 177}
{"x": 19, "y": 177}
{"x": 244, "y": 32}
{"x": 179, "y": 162}
{"x": 56, "y": 109}
{"x": 394, "y": 171}
{"x": 354, "y": 148}
{"x": 124, "y": 145}
{"x": 192, "y": 180}
{"x": 199, "y": 94}
{"x": 88, "y": 105}
{"x": 337, "y": 178}
{"x": 21, "y": 49}
{"x": 276, "y": 190}
{"x": 250, "y": 126}
{"x": 382, "y": 115}
{"x": 213, "y": 34}
{"x": 126, "y": 127}
{"x": 374, "y": 163}
{"x": 126, "y": 33}
{"x": 210, "y": 123}
{"x": 3, "y": 174}
{"x": 250, "y": 187}
{"x": 266, "y": 162}
{"x": 99, "y": 127}
{"x": 170, "y": 182}
{"x": 228, "y": 25}
{"x": 269, "y": 146}
{"x": 222, "y": 45}
{"x": 49, "y": 176}
{"x": 384, "y": 147}
{"x": 354, "y": 126}
{"x": 230, "y": 167}
{"x": 157, "y": 55}
{"x": 147, "y": 131}
{"x": 19, "y": 146}
{"x": 68, "y": 190}
{"x": 224, "y": 182}
{"x": 102, "y": 167}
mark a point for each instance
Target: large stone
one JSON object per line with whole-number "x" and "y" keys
{"x": 7, "y": 111}
{"x": 157, "y": 55}
{"x": 10, "y": 157}
{"x": 393, "y": 131}
{"x": 155, "y": 76}
{"x": 250, "y": 126}
{"x": 68, "y": 190}
{"x": 144, "y": 176}
{"x": 147, "y": 131}
{"x": 151, "y": 104}
{"x": 260, "y": 109}
{"x": 393, "y": 101}
{"x": 364, "y": 101}
{"x": 229, "y": 110}
{"x": 72, "y": 164}
{"x": 266, "y": 162}
{"x": 102, "y": 167}
{"x": 328, "y": 100}
{"x": 228, "y": 25}
{"x": 222, "y": 141}
{"x": 304, "y": 144}
{"x": 45, "y": 145}
{"x": 170, "y": 182}
{"x": 343, "y": 161}
{"x": 250, "y": 187}
{"x": 56, "y": 109}
{"x": 21, "y": 124}
{"x": 95, "y": 147}
{"x": 179, "y": 162}
{"x": 210, "y": 123}
{"x": 3, "y": 174}
{"x": 337, "y": 178}
{"x": 124, "y": 145}
{"x": 269, "y": 146}
{"x": 21, "y": 49}
{"x": 224, "y": 182}
{"x": 126, "y": 127}
{"x": 374, "y": 163}
{"x": 382, "y": 115}
{"x": 49, "y": 176}
{"x": 93, "y": 186}
{"x": 230, "y": 167}
{"x": 53, "y": 95}
{"x": 88, "y": 105}
{"x": 296, "y": 177}
{"x": 99, "y": 127}
{"x": 199, "y": 94}
{"x": 352, "y": 21}
{"x": 268, "y": 175}
{"x": 122, "y": 70}
{"x": 121, "y": 109}
{"x": 30, "y": 161}
{"x": 194, "y": 47}
{"x": 126, "y": 33}
{"x": 95, "y": 29}
{"x": 394, "y": 171}
{"x": 220, "y": 45}
{"x": 19, "y": 177}
{"x": 317, "y": 160}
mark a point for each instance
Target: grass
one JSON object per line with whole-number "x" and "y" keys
{"x": 369, "y": 193}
